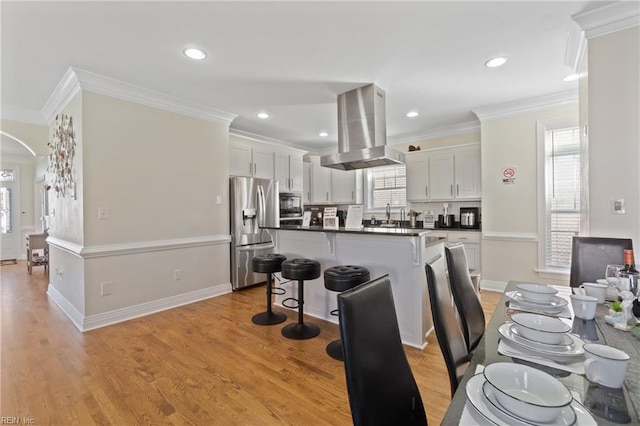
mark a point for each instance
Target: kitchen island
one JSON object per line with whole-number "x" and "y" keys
{"x": 399, "y": 252}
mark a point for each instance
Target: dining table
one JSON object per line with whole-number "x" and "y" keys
{"x": 606, "y": 406}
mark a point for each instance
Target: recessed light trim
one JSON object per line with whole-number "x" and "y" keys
{"x": 496, "y": 62}
{"x": 194, "y": 53}
{"x": 412, "y": 114}
{"x": 262, "y": 115}
{"x": 323, "y": 134}
{"x": 571, "y": 77}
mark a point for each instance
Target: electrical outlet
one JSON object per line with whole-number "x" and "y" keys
{"x": 218, "y": 199}
{"x": 103, "y": 213}
{"x": 106, "y": 288}
{"x": 177, "y": 274}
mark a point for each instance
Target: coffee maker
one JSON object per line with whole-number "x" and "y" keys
{"x": 469, "y": 217}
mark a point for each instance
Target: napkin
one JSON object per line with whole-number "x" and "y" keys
{"x": 573, "y": 364}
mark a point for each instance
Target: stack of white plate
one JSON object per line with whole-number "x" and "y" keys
{"x": 514, "y": 394}
{"x": 537, "y": 297}
{"x": 545, "y": 335}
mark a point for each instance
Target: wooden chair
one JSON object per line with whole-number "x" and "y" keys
{"x": 381, "y": 386}
{"x": 465, "y": 296}
{"x": 591, "y": 255}
{"x": 450, "y": 337}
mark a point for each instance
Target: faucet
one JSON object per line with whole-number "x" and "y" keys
{"x": 388, "y": 210}
{"x": 403, "y": 216}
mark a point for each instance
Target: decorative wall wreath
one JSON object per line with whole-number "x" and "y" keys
{"x": 62, "y": 149}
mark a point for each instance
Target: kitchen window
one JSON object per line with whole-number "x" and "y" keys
{"x": 561, "y": 203}
{"x": 386, "y": 185}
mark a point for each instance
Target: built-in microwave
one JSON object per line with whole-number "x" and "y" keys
{"x": 290, "y": 205}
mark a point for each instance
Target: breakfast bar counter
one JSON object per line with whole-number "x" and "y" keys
{"x": 399, "y": 252}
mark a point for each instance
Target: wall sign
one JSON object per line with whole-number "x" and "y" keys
{"x": 509, "y": 175}
{"x": 62, "y": 149}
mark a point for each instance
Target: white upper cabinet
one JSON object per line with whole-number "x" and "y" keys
{"x": 468, "y": 174}
{"x": 289, "y": 171}
{"x": 444, "y": 174}
{"x": 343, "y": 186}
{"x": 320, "y": 182}
{"x": 250, "y": 159}
{"x": 441, "y": 175}
{"x": 417, "y": 166}
{"x": 306, "y": 183}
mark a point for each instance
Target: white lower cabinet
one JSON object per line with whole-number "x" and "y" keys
{"x": 471, "y": 241}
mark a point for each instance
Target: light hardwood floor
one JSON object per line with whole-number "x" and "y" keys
{"x": 201, "y": 364}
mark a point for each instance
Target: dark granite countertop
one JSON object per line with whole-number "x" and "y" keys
{"x": 378, "y": 230}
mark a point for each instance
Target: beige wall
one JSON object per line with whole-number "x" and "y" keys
{"x": 510, "y": 211}
{"x": 159, "y": 174}
{"x": 614, "y": 133}
{"x": 34, "y": 136}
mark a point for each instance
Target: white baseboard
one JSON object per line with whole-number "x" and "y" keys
{"x": 489, "y": 285}
{"x": 92, "y": 322}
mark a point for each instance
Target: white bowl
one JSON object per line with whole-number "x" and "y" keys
{"x": 527, "y": 392}
{"x": 540, "y": 328}
{"x": 537, "y": 292}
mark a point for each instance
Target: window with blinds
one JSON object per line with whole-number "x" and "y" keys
{"x": 562, "y": 170}
{"x": 386, "y": 185}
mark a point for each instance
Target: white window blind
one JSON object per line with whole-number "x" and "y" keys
{"x": 387, "y": 185}
{"x": 562, "y": 149}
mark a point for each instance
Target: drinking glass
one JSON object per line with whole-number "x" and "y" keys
{"x": 611, "y": 274}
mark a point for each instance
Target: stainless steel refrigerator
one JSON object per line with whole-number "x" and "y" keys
{"x": 254, "y": 204}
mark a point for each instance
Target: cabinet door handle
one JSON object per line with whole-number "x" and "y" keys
{"x": 250, "y": 167}
{"x": 452, "y": 190}
{"x": 327, "y": 196}
{"x": 457, "y": 189}
{"x": 254, "y": 168}
{"x": 352, "y": 197}
{"x": 426, "y": 190}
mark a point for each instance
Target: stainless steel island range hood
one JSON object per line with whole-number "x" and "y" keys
{"x": 362, "y": 132}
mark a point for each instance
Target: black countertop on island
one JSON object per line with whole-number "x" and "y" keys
{"x": 374, "y": 230}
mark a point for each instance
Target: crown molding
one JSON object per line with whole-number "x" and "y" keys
{"x": 525, "y": 106}
{"x": 437, "y": 132}
{"x": 609, "y": 19}
{"x": 76, "y": 79}
{"x": 265, "y": 139}
{"x": 22, "y": 115}
{"x": 576, "y": 48}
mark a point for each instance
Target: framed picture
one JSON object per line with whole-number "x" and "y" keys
{"x": 330, "y": 222}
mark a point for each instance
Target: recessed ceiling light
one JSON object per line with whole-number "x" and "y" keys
{"x": 262, "y": 115}
{"x": 571, "y": 77}
{"x": 496, "y": 62}
{"x": 194, "y": 53}
{"x": 323, "y": 134}
{"x": 412, "y": 114}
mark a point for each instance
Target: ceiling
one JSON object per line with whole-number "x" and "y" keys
{"x": 292, "y": 59}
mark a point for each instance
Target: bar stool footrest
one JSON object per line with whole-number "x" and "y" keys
{"x": 296, "y": 306}
{"x": 278, "y": 291}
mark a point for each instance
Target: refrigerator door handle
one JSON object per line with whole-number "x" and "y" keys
{"x": 261, "y": 206}
{"x": 253, "y": 247}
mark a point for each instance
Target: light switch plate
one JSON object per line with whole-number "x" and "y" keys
{"x": 617, "y": 206}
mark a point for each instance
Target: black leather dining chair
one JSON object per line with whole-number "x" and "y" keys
{"x": 450, "y": 337}
{"x": 465, "y": 296}
{"x": 591, "y": 255}
{"x": 380, "y": 384}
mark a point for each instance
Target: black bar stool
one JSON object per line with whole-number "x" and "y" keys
{"x": 301, "y": 270}
{"x": 341, "y": 278}
{"x": 268, "y": 263}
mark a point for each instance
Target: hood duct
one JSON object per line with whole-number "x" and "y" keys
{"x": 362, "y": 132}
